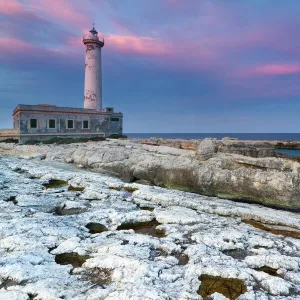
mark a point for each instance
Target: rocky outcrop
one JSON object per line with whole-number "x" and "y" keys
{"x": 242, "y": 148}
{"x": 269, "y": 181}
{"x": 153, "y": 244}
{"x": 229, "y": 145}
{"x": 206, "y": 149}
{"x": 174, "y": 143}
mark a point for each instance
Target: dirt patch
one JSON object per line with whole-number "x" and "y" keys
{"x": 182, "y": 259}
{"x": 280, "y": 230}
{"x": 231, "y": 288}
{"x": 20, "y": 171}
{"x": 156, "y": 253}
{"x": 54, "y": 184}
{"x": 147, "y": 208}
{"x": 12, "y": 199}
{"x": 116, "y": 188}
{"x": 147, "y": 228}
{"x": 73, "y": 259}
{"x": 236, "y": 253}
{"x": 32, "y": 296}
{"x": 98, "y": 276}
{"x": 127, "y": 190}
{"x": 8, "y": 282}
{"x": 75, "y": 189}
{"x": 130, "y": 189}
{"x": 34, "y": 177}
{"x": 62, "y": 211}
{"x": 268, "y": 270}
{"x": 96, "y": 228}
{"x": 250, "y": 166}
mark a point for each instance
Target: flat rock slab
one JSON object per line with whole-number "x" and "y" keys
{"x": 45, "y": 255}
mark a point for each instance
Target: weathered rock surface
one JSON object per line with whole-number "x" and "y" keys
{"x": 270, "y": 181}
{"x": 228, "y": 145}
{"x": 243, "y": 148}
{"x": 206, "y": 149}
{"x": 123, "y": 264}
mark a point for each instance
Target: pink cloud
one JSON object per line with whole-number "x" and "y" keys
{"x": 18, "y": 52}
{"x": 139, "y": 45}
{"x": 11, "y": 7}
{"x": 65, "y": 11}
{"x": 277, "y": 69}
{"x": 129, "y": 44}
{"x": 11, "y": 45}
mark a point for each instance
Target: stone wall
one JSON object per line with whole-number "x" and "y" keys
{"x": 98, "y": 126}
{"x": 8, "y": 133}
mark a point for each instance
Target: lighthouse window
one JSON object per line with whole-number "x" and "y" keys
{"x": 52, "y": 124}
{"x": 115, "y": 119}
{"x": 33, "y": 123}
{"x": 85, "y": 124}
{"x": 70, "y": 124}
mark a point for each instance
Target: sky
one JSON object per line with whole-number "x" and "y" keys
{"x": 168, "y": 65}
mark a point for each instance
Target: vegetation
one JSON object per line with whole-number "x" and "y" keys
{"x": 231, "y": 288}
{"x": 95, "y": 228}
{"x": 73, "y": 259}
{"x": 75, "y": 189}
{"x": 66, "y": 140}
{"x": 55, "y": 183}
{"x": 10, "y": 140}
{"x": 57, "y": 140}
{"x": 117, "y": 136}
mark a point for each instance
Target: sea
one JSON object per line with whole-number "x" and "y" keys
{"x": 240, "y": 136}
{"x": 200, "y": 136}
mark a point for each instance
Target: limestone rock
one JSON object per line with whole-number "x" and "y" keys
{"x": 268, "y": 180}
{"x": 242, "y": 148}
{"x": 206, "y": 149}
{"x": 122, "y": 264}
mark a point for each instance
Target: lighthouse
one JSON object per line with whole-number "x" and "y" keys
{"x": 93, "y": 76}
{"x": 44, "y": 121}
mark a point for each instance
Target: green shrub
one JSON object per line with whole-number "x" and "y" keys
{"x": 117, "y": 136}
{"x": 66, "y": 140}
{"x": 31, "y": 142}
{"x": 10, "y": 140}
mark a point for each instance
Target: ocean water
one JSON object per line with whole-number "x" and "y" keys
{"x": 291, "y": 152}
{"x": 240, "y": 136}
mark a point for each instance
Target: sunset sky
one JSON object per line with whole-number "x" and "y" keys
{"x": 168, "y": 65}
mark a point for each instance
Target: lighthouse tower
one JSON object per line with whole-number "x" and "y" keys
{"x": 93, "y": 76}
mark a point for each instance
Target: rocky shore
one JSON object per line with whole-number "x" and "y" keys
{"x": 239, "y": 170}
{"x": 69, "y": 233}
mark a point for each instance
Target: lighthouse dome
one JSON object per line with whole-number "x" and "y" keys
{"x": 92, "y": 35}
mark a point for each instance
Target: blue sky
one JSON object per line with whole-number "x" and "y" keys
{"x": 168, "y": 65}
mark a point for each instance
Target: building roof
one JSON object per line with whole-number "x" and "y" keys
{"x": 46, "y": 108}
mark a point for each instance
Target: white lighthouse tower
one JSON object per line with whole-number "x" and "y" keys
{"x": 93, "y": 76}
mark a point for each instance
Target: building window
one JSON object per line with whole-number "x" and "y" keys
{"x": 52, "y": 123}
{"x": 33, "y": 123}
{"x": 85, "y": 124}
{"x": 70, "y": 124}
{"x": 115, "y": 119}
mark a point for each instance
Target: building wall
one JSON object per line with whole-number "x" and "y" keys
{"x": 98, "y": 125}
{"x": 8, "y": 134}
{"x": 16, "y": 120}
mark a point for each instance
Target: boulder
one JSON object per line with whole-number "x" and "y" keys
{"x": 206, "y": 149}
